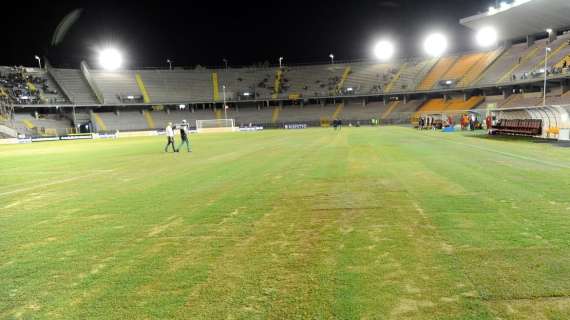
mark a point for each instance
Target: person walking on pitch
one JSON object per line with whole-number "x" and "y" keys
{"x": 184, "y": 132}
{"x": 170, "y": 137}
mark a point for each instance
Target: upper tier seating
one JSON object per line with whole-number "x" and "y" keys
{"x": 479, "y": 68}
{"x": 411, "y": 75}
{"x": 437, "y": 72}
{"x": 171, "y": 86}
{"x": 462, "y": 66}
{"x": 75, "y": 86}
{"x": 28, "y": 86}
{"x": 114, "y": 86}
{"x": 505, "y": 63}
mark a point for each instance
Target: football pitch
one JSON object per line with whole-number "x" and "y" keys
{"x": 366, "y": 223}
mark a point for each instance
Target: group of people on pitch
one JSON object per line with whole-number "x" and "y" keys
{"x": 184, "y": 133}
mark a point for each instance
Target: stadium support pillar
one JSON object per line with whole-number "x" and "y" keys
{"x": 565, "y": 86}
{"x": 507, "y": 92}
{"x": 385, "y": 100}
{"x": 406, "y": 98}
{"x": 552, "y": 36}
{"x": 302, "y": 103}
{"x": 364, "y": 102}
{"x": 530, "y": 40}
{"x": 507, "y": 44}
{"x": 465, "y": 96}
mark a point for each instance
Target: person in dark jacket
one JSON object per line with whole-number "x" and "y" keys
{"x": 184, "y": 132}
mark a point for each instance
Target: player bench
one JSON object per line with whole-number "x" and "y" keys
{"x": 525, "y": 127}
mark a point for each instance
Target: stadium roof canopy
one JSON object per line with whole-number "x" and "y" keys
{"x": 522, "y": 18}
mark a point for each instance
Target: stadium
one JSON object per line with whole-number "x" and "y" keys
{"x": 419, "y": 186}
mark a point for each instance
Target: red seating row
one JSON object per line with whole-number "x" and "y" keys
{"x": 526, "y": 127}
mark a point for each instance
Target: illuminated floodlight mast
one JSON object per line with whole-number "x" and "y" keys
{"x": 435, "y": 44}
{"x": 384, "y": 50}
{"x": 486, "y": 37}
{"x": 110, "y": 59}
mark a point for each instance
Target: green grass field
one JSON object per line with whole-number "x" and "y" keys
{"x": 367, "y": 223}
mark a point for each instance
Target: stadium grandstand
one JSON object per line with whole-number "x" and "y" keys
{"x": 530, "y": 57}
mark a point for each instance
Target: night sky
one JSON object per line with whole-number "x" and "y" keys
{"x": 244, "y": 32}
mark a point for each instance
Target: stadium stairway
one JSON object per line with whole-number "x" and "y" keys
{"x": 142, "y": 88}
{"x": 215, "y": 86}
{"x": 396, "y": 78}
{"x": 391, "y": 107}
{"x": 27, "y": 123}
{"x": 101, "y": 126}
{"x": 277, "y": 83}
{"x": 437, "y": 72}
{"x": 478, "y": 70}
{"x": 343, "y": 79}
{"x": 338, "y": 111}
{"x": 149, "y": 120}
{"x": 218, "y": 113}
{"x": 275, "y": 114}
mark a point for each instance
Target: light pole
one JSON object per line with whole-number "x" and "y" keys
{"x": 39, "y": 61}
{"x": 225, "y": 107}
{"x": 280, "y": 62}
{"x": 226, "y": 63}
{"x": 546, "y": 51}
{"x": 169, "y": 64}
{"x": 331, "y": 56}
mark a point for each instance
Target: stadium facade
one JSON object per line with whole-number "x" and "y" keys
{"x": 51, "y": 100}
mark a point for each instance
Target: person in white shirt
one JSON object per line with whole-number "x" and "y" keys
{"x": 170, "y": 137}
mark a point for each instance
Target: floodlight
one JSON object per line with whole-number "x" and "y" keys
{"x": 486, "y": 37}
{"x": 384, "y": 50}
{"x": 435, "y": 44}
{"x": 110, "y": 59}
